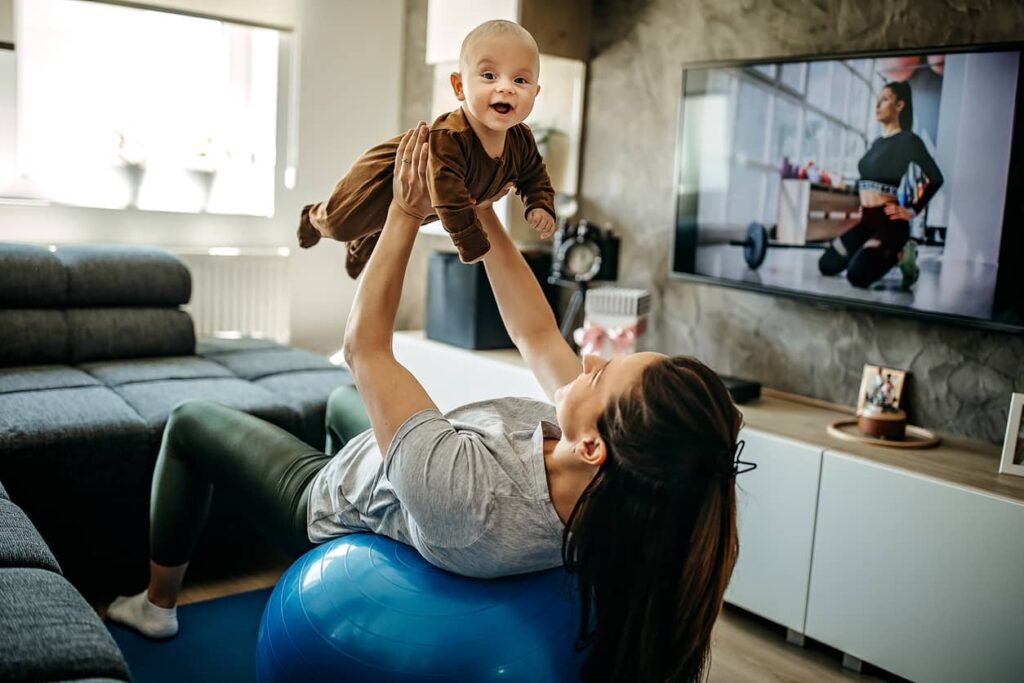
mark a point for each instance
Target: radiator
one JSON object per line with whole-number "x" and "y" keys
{"x": 239, "y": 292}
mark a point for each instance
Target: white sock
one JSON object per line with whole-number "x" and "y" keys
{"x": 139, "y": 613}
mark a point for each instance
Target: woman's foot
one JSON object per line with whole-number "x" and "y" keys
{"x": 908, "y": 264}
{"x": 139, "y": 613}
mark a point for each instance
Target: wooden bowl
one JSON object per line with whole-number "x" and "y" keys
{"x": 891, "y": 426}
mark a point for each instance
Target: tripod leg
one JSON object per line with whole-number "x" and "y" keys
{"x": 571, "y": 312}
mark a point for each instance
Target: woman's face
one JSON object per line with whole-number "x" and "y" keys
{"x": 887, "y": 107}
{"x": 579, "y": 403}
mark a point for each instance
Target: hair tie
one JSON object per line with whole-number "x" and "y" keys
{"x": 747, "y": 466}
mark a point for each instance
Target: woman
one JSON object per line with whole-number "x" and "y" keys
{"x": 869, "y": 249}
{"x": 635, "y": 459}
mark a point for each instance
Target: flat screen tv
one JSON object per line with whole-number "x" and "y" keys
{"x": 891, "y": 181}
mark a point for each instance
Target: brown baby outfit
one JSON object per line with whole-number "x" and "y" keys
{"x": 458, "y": 169}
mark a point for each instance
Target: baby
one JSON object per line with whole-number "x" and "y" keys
{"x": 475, "y": 151}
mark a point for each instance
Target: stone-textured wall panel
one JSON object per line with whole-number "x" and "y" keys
{"x": 417, "y": 78}
{"x": 417, "y": 89}
{"x": 961, "y": 378}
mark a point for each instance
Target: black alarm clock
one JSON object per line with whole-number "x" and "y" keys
{"x": 584, "y": 252}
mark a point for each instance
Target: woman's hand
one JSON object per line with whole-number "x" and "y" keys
{"x": 410, "y": 183}
{"x": 895, "y": 212}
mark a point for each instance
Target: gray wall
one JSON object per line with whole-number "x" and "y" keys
{"x": 961, "y": 379}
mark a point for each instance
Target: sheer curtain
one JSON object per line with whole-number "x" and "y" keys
{"x": 121, "y": 107}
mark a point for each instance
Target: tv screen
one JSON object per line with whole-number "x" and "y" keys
{"x": 889, "y": 181}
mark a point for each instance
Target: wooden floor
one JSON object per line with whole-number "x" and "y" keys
{"x": 746, "y": 648}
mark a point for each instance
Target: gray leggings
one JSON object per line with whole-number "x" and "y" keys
{"x": 257, "y": 465}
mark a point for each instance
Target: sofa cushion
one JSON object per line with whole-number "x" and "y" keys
{"x": 20, "y": 542}
{"x": 115, "y": 373}
{"x": 38, "y": 377}
{"x": 153, "y": 401}
{"x": 86, "y": 492}
{"x": 105, "y": 333}
{"x": 304, "y": 392}
{"x": 210, "y": 347}
{"x": 258, "y": 363}
{"x": 31, "y": 276}
{"x": 55, "y": 417}
{"x": 49, "y": 632}
{"x": 33, "y": 336}
{"x": 123, "y": 275}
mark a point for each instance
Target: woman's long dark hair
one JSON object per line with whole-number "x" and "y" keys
{"x": 901, "y": 91}
{"x": 652, "y": 540}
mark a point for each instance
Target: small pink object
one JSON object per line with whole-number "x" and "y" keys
{"x": 616, "y": 319}
{"x": 898, "y": 68}
{"x": 623, "y": 337}
{"x": 590, "y": 338}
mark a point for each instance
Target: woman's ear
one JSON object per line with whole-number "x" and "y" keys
{"x": 591, "y": 451}
{"x": 456, "y": 80}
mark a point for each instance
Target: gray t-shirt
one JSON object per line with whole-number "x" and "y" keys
{"x": 468, "y": 489}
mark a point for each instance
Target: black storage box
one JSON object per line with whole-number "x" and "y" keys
{"x": 461, "y": 309}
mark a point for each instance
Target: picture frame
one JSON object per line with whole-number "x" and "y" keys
{"x": 1012, "y": 461}
{"x": 872, "y": 387}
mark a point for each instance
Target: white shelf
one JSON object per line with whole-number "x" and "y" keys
{"x": 453, "y": 376}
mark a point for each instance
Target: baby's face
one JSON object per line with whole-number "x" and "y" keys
{"x": 498, "y": 83}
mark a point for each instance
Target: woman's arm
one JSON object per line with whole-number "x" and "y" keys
{"x": 918, "y": 154}
{"x": 931, "y": 170}
{"x": 524, "y": 310}
{"x": 389, "y": 391}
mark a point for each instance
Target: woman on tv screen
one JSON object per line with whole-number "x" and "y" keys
{"x": 899, "y": 173}
{"x": 898, "y": 177}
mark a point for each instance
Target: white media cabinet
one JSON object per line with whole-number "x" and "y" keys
{"x": 910, "y": 560}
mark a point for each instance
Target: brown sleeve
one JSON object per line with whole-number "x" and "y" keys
{"x": 446, "y": 182}
{"x": 533, "y": 184}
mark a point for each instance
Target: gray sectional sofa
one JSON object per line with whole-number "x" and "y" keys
{"x": 95, "y": 351}
{"x": 48, "y": 632}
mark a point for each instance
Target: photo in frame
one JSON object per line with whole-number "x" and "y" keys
{"x": 1012, "y": 461}
{"x": 881, "y": 388}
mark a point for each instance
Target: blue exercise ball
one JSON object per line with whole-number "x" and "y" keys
{"x": 365, "y": 608}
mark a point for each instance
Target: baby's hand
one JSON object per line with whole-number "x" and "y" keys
{"x": 541, "y": 221}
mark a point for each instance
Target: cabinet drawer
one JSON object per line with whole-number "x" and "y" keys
{"x": 776, "y": 507}
{"x": 920, "y": 577}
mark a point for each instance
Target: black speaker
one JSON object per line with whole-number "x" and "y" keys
{"x": 461, "y": 309}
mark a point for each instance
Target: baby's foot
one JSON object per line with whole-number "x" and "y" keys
{"x": 139, "y": 613}
{"x": 358, "y": 253}
{"x": 308, "y": 235}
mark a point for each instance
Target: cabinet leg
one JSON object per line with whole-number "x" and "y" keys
{"x": 852, "y": 663}
{"x": 794, "y": 637}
